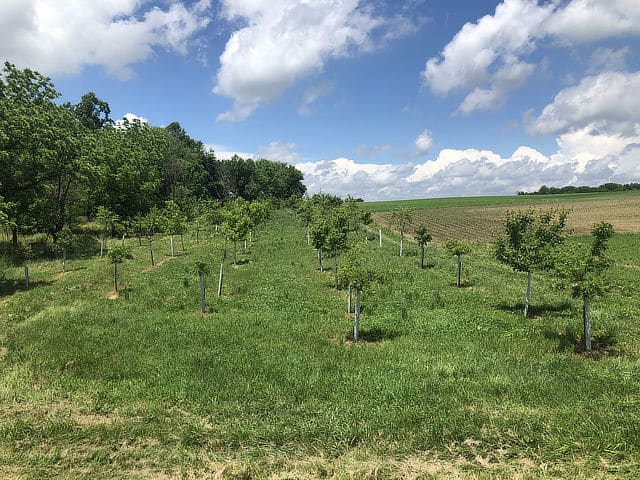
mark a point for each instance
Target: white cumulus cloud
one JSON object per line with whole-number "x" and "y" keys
{"x": 587, "y": 157}
{"x": 280, "y": 152}
{"x": 611, "y": 100}
{"x": 62, "y": 37}
{"x": 282, "y": 41}
{"x": 488, "y": 59}
{"x": 423, "y": 143}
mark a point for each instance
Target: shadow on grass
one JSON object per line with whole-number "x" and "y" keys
{"x": 535, "y": 310}
{"x": 463, "y": 285}
{"x": 9, "y": 287}
{"x": 571, "y": 340}
{"x": 375, "y": 335}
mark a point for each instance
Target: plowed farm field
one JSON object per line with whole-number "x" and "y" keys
{"x": 480, "y": 219}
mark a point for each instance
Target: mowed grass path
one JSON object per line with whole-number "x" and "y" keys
{"x": 448, "y": 382}
{"x": 479, "y": 218}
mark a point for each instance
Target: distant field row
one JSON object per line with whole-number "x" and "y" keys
{"x": 480, "y": 218}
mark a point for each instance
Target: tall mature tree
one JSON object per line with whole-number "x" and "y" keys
{"x": 529, "y": 242}
{"x": 92, "y": 112}
{"x": 27, "y": 137}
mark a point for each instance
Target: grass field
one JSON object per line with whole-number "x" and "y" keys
{"x": 448, "y": 382}
{"x": 479, "y": 218}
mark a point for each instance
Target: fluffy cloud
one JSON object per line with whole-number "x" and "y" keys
{"x": 129, "y": 118}
{"x": 584, "y": 157}
{"x": 280, "y": 152}
{"x": 610, "y": 100}
{"x": 488, "y": 58}
{"x": 284, "y": 40}
{"x": 590, "y": 20}
{"x": 63, "y": 37}
{"x": 484, "y": 56}
{"x": 423, "y": 143}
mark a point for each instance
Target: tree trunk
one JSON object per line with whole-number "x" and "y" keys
{"x": 421, "y": 257}
{"x": 349, "y": 296}
{"x": 235, "y": 248}
{"x": 153, "y": 263}
{"x": 320, "y": 258}
{"x": 308, "y": 239}
{"x": 203, "y": 307}
{"x": 182, "y": 243}
{"x": 356, "y": 318}
{"x": 586, "y": 317}
{"x": 64, "y": 261}
{"x": 220, "y": 279}
{"x": 115, "y": 277}
{"x": 101, "y": 247}
{"x": 527, "y": 295}
{"x": 123, "y": 235}
{"x": 458, "y": 282}
{"x": 172, "y": 252}
{"x": 401, "y": 241}
{"x": 14, "y": 236}
{"x": 335, "y": 262}
{"x": 26, "y": 275}
{"x": 198, "y": 235}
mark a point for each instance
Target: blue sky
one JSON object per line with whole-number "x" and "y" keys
{"x": 377, "y": 99}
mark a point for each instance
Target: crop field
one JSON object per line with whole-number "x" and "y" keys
{"x": 479, "y": 218}
{"x": 446, "y": 383}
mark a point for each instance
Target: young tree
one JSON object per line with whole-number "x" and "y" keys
{"x": 108, "y": 222}
{"x": 66, "y": 241}
{"x": 236, "y": 224}
{"x": 355, "y": 272}
{"x": 336, "y": 240}
{"x": 319, "y": 231}
{"x": 401, "y": 219}
{"x": 454, "y": 247}
{"x": 117, "y": 255}
{"x": 202, "y": 269}
{"x": 152, "y": 221}
{"x": 175, "y": 222}
{"x": 530, "y": 242}
{"x": 584, "y": 270}
{"x": 423, "y": 236}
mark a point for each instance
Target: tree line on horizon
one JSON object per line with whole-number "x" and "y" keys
{"x": 60, "y": 163}
{"x": 605, "y": 187}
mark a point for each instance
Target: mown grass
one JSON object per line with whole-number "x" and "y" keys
{"x": 447, "y": 382}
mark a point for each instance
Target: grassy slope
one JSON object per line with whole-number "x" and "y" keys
{"x": 450, "y": 382}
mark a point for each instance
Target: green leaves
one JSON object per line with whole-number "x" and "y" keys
{"x": 356, "y": 269}
{"x": 531, "y": 239}
{"x": 583, "y": 269}
{"x": 423, "y": 235}
{"x": 401, "y": 218}
{"x": 119, "y": 253}
{"x": 457, "y": 248}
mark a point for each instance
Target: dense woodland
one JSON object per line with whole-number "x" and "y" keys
{"x": 60, "y": 163}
